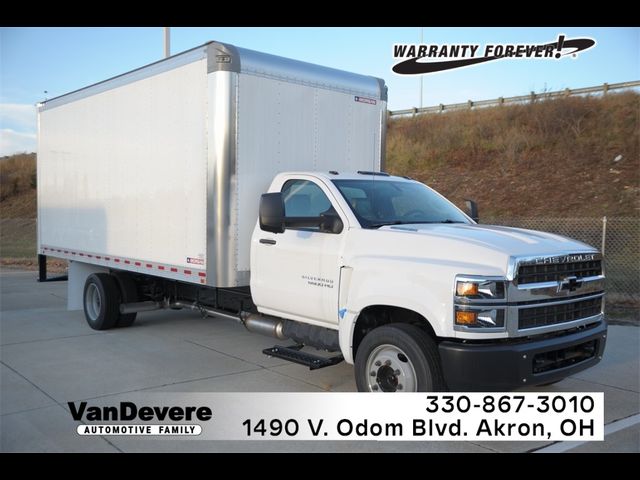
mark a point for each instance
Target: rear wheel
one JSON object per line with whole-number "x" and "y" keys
{"x": 398, "y": 358}
{"x": 101, "y": 301}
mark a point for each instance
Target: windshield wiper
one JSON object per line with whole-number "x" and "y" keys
{"x": 442, "y": 221}
{"x": 378, "y": 225}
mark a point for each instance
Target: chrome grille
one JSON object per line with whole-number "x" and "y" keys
{"x": 558, "y": 271}
{"x": 553, "y": 314}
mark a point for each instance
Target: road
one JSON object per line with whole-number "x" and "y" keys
{"x": 49, "y": 356}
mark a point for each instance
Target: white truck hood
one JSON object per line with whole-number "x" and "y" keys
{"x": 457, "y": 248}
{"x": 507, "y": 240}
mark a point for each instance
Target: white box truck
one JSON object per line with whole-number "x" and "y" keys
{"x": 152, "y": 184}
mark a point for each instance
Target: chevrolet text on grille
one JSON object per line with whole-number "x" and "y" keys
{"x": 561, "y": 259}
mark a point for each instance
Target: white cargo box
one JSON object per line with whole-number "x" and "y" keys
{"x": 160, "y": 170}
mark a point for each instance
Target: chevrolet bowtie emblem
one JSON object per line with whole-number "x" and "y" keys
{"x": 569, "y": 283}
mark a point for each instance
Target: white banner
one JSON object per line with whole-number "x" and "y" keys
{"x": 350, "y": 416}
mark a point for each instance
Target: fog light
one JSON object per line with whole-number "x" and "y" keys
{"x": 466, "y": 318}
{"x": 466, "y": 289}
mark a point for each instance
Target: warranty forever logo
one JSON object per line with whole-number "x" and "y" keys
{"x": 458, "y": 55}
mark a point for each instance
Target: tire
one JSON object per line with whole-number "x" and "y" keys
{"x": 128, "y": 294}
{"x": 101, "y": 301}
{"x": 398, "y": 358}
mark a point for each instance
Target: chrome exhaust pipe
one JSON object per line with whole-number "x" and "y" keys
{"x": 208, "y": 311}
{"x": 264, "y": 325}
{"x": 137, "y": 307}
{"x": 254, "y": 322}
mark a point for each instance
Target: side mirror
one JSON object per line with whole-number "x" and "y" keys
{"x": 472, "y": 210}
{"x": 272, "y": 212}
{"x": 330, "y": 223}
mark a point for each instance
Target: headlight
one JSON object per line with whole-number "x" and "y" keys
{"x": 480, "y": 289}
{"x": 479, "y": 303}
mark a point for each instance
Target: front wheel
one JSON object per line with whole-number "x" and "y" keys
{"x": 398, "y": 358}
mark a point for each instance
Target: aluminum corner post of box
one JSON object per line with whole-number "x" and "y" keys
{"x": 159, "y": 171}
{"x": 269, "y": 114}
{"x": 222, "y": 233}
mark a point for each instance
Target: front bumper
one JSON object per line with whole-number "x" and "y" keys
{"x": 505, "y": 365}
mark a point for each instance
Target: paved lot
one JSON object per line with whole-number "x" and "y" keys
{"x": 50, "y": 356}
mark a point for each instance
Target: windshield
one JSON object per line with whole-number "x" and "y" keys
{"x": 377, "y": 203}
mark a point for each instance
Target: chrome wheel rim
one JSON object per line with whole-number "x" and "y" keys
{"x": 93, "y": 302}
{"x": 389, "y": 369}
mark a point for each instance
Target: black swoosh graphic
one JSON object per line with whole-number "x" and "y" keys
{"x": 413, "y": 67}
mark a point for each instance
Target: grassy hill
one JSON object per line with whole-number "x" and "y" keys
{"x": 18, "y": 209}
{"x": 18, "y": 186}
{"x": 568, "y": 157}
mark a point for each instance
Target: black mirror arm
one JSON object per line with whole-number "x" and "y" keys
{"x": 331, "y": 223}
{"x": 302, "y": 222}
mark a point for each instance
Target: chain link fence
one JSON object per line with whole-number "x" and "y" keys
{"x": 618, "y": 238}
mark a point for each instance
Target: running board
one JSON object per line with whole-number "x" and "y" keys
{"x": 295, "y": 355}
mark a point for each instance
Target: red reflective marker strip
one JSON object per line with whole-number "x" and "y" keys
{"x": 128, "y": 262}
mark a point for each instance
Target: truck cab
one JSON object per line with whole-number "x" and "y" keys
{"x": 419, "y": 295}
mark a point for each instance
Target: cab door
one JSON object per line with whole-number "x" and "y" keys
{"x": 295, "y": 274}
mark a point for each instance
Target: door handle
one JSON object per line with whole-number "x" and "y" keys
{"x": 267, "y": 241}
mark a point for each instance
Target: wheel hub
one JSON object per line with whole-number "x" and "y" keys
{"x": 390, "y": 370}
{"x": 386, "y": 379}
{"x": 93, "y": 302}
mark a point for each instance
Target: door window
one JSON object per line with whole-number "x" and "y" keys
{"x": 303, "y": 198}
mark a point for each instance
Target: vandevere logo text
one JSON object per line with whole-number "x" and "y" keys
{"x": 130, "y": 412}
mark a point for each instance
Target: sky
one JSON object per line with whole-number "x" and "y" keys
{"x": 58, "y": 60}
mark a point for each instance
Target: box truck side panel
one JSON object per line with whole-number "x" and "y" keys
{"x": 162, "y": 168}
{"x": 290, "y": 126}
{"x": 123, "y": 172}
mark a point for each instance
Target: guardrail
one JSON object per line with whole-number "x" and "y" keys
{"x": 532, "y": 97}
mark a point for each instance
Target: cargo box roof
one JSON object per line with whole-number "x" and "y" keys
{"x": 226, "y": 57}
